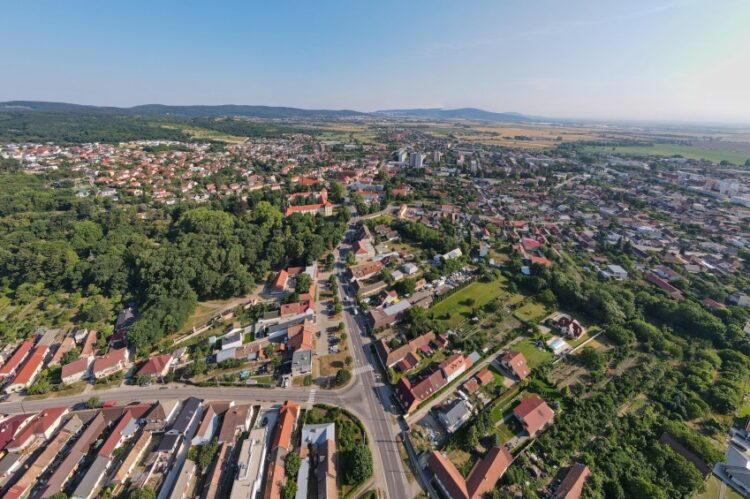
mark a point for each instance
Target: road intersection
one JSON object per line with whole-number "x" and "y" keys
{"x": 366, "y": 396}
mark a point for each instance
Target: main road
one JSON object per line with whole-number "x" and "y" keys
{"x": 366, "y": 396}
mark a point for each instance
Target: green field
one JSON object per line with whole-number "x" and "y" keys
{"x": 456, "y": 309}
{"x": 534, "y": 356}
{"x": 689, "y": 152}
{"x": 530, "y": 312}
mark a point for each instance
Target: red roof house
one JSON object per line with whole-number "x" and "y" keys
{"x": 534, "y": 414}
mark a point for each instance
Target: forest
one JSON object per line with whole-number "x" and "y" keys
{"x": 97, "y": 256}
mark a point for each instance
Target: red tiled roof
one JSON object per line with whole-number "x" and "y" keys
{"x": 448, "y": 475}
{"x": 11, "y": 426}
{"x": 487, "y": 471}
{"x": 155, "y": 365}
{"x": 534, "y": 413}
{"x": 485, "y": 376}
{"x": 287, "y": 417}
{"x": 15, "y": 360}
{"x": 108, "y": 360}
{"x": 454, "y": 363}
{"x": 75, "y": 367}
{"x": 572, "y": 485}
{"x": 30, "y": 368}
{"x": 517, "y": 363}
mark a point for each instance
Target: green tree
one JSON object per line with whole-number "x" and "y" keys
{"x": 142, "y": 493}
{"x": 93, "y": 403}
{"x": 359, "y": 464}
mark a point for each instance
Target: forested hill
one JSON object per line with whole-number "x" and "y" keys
{"x": 265, "y": 112}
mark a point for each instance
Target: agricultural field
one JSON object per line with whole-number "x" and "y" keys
{"x": 716, "y": 155}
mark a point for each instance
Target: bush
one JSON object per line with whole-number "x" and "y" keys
{"x": 343, "y": 376}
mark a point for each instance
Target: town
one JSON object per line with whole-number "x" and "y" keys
{"x": 403, "y": 313}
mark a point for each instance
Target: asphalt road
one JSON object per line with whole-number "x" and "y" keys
{"x": 367, "y": 398}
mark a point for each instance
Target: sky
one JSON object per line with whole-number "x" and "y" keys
{"x": 666, "y": 60}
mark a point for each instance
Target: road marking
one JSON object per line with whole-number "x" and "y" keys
{"x": 311, "y": 397}
{"x": 363, "y": 369}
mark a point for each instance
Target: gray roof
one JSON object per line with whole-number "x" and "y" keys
{"x": 93, "y": 476}
{"x": 318, "y": 433}
{"x": 456, "y": 412}
{"x": 186, "y": 415}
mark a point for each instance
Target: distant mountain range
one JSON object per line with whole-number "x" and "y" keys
{"x": 464, "y": 113}
{"x": 267, "y": 112}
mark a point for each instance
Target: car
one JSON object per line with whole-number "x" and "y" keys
{"x": 4, "y": 397}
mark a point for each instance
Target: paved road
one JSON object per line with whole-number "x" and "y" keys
{"x": 368, "y": 399}
{"x": 372, "y": 397}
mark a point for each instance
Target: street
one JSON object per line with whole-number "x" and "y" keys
{"x": 370, "y": 400}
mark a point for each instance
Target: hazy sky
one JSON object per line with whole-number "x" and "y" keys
{"x": 642, "y": 59}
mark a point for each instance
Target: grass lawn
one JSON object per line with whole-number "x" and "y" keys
{"x": 331, "y": 363}
{"x": 713, "y": 486}
{"x": 73, "y": 389}
{"x": 502, "y": 405}
{"x": 687, "y": 151}
{"x": 534, "y": 356}
{"x": 531, "y": 312}
{"x": 508, "y": 429}
{"x": 457, "y": 307}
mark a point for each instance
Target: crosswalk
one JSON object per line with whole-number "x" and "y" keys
{"x": 362, "y": 369}
{"x": 311, "y": 396}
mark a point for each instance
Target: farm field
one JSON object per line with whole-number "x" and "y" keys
{"x": 690, "y": 152}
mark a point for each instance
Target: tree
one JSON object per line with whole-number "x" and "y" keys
{"x": 292, "y": 465}
{"x": 144, "y": 493}
{"x": 592, "y": 359}
{"x": 359, "y": 464}
{"x": 303, "y": 282}
{"x": 343, "y": 376}
{"x": 93, "y": 403}
{"x": 59, "y": 495}
{"x": 348, "y": 360}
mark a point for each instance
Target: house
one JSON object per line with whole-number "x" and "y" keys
{"x": 571, "y": 486}
{"x": 740, "y": 299}
{"x": 74, "y": 456}
{"x": 454, "y": 366}
{"x": 452, "y": 254}
{"x": 42, "y": 426}
{"x": 735, "y": 470}
{"x": 365, "y": 270}
{"x": 485, "y": 377}
{"x": 28, "y": 373}
{"x": 110, "y": 363}
{"x": 9, "y": 368}
{"x": 389, "y": 357}
{"x": 534, "y": 414}
{"x": 68, "y": 343}
{"x": 455, "y": 416}
{"x": 409, "y": 395}
{"x": 11, "y": 426}
{"x": 664, "y": 286}
{"x": 281, "y": 445}
{"x": 232, "y": 340}
{"x": 569, "y": 327}
{"x": 76, "y": 371}
{"x": 156, "y": 366}
{"x": 301, "y": 362}
{"x": 320, "y": 440}
{"x": 515, "y": 362}
{"x": 281, "y": 282}
{"x": 481, "y": 479}
{"x": 614, "y": 272}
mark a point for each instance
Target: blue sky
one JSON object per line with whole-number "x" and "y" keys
{"x": 635, "y": 59}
